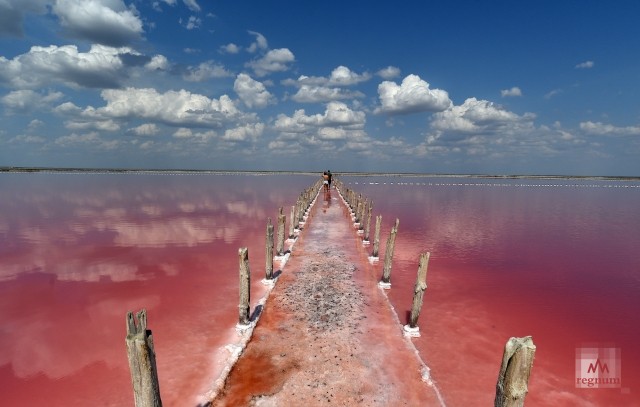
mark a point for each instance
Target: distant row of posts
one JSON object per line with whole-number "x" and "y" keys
{"x": 517, "y": 360}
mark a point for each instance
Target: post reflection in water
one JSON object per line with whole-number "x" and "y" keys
{"x": 78, "y": 251}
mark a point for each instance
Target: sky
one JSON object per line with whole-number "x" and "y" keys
{"x": 450, "y": 87}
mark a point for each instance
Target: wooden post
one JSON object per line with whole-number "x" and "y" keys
{"x": 142, "y": 362}
{"x": 376, "y": 238}
{"x": 291, "y": 223}
{"x": 245, "y": 286}
{"x": 517, "y": 360}
{"x": 269, "y": 252}
{"x": 367, "y": 227}
{"x": 280, "y": 242}
{"x": 418, "y": 290}
{"x": 388, "y": 254}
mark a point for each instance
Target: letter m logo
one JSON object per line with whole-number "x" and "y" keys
{"x": 601, "y": 367}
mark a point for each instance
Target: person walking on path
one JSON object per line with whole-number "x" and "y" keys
{"x": 325, "y": 182}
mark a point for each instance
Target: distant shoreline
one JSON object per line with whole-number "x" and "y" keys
{"x": 347, "y": 173}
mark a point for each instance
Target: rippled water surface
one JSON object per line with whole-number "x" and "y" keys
{"x": 557, "y": 260}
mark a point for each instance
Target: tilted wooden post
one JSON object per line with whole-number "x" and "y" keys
{"x": 245, "y": 286}
{"x": 376, "y": 237}
{"x": 280, "y": 242}
{"x": 418, "y": 290}
{"x": 513, "y": 379}
{"x": 269, "y": 252}
{"x": 142, "y": 362}
{"x": 388, "y": 254}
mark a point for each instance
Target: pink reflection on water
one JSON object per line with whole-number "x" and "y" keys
{"x": 78, "y": 251}
{"x": 560, "y": 263}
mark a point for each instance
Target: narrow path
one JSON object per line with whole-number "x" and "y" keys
{"x": 327, "y": 335}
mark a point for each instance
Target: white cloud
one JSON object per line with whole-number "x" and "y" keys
{"x": 108, "y": 22}
{"x": 192, "y": 4}
{"x": 478, "y": 116}
{"x": 259, "y": 44}
{"x": 553, "y": 93}
{"x": 158, "y": 62}
{"x": 99, "y": 68}
{"x": 514, "y": 91}
{"x": 343, "y": 76}
{"x": 337, "y": 116}
{"x": 411, "y": 96}
{"x": 172, "y": 107}
{"x": 315, "y": 94}
{"x": 602, "y": 129}
{"x": 205, "y": 71}
{"x": 102, "y": 125}
{"x": 193, "y": 23}
{"x": 276, "y": 60}
{"x": 244, "y": 133}
{"x": 147, "y": 129}
{"x": 230, "y": 48}
{"x": 198, "y": 137}
{"x": 389, "y": 72}
{"x": 585, "y": 65}
{"x": 251, "y": 92}
{"x": 28, "y": 100}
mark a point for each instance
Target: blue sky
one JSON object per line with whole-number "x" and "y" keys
{"x": 497, "y": 87}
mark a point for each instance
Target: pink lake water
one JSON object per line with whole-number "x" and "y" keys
{"x": 558, "y": 261}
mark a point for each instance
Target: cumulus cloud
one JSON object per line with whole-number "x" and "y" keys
{"x": 180, "y": 108}
{"x": 515, "y": 91}
{"x": 107, "y": 22}
{"x": 478, "y": 116}
{"x": 336, "y": 115}
{"x": 585, "y": 65}
{"x": 251, "y": 92}
{"x": 248, "y": 132}
{"x": 23, "y": 101}
{"x": 158, "y": 62}
{"x": 602, "y": 129}
{"x": 343, "y": 76}
{"x": 315, "y": 94}
{"x": 276, "y": 60}
{"x": 205, "y": 71}
{"x": 12, "y": 14}
{"x": 101, "y": 67}
{"x": 411, "y": 96}
{"x": 389, "y": 72}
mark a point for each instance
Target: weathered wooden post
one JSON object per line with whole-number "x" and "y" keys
{"x": 280, "y": 242}
{"x": 245, "y": 287}
{"x": 291, "y": 223}
{"x": 418, "y": 294}
{"x": 376, "y": 237}
{"x": 388, "y": 257}
{"x": 269, "y": 252}
{"x": 367, "y": 227}
{"x": 142, "y": 362}
{"x": 513, "y": 379}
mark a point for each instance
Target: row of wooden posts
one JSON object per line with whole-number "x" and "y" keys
{"x": 361, "y": 208}
{"x": 139, "y": 339}
{"x": 517, "y": 360}
{"x": 518, "y": 355}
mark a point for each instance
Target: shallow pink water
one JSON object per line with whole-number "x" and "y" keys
{"x": 78, "y": 251}
{"x": 560, "y": 263}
